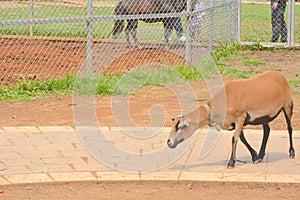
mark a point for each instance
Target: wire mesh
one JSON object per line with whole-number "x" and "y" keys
{"x": 271, "y": 22}
{"x": 44, "y": 39}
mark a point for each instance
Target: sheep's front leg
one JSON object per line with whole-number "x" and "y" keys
{"x": 233, "y": 153}
{"x": 251, "y": 150}
{"x": 239, "y": 128}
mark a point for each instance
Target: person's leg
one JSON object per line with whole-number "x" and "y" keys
{"x": 283, "y": 29}
{"x": 178, "y": 26}
{"x": 276, "y": 25}
{"x": 179, "y": 30}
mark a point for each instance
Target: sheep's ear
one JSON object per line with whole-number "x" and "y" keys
{"x": 180, "y": 116}
{"x": 187, "y": 122}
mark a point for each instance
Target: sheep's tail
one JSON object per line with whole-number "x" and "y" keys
{"x": 119, "y": 24}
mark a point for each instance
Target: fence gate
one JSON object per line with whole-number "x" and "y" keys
{"x": 43, "y": 39}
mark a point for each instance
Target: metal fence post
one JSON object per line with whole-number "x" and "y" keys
{"x": 31, "y": 28}
{"x": 89, "y": 33}
{"x": 238, "y": 22}
{"x": 229, "y": 13}
{"x": 188, "y": 33}
{"x": 291, "y": 22}
{"x": 211, "y": 23}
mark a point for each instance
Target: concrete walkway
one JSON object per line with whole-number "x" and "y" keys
{"x": 47, "y": 154}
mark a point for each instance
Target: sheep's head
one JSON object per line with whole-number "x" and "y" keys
{"x": 181, "y": 130}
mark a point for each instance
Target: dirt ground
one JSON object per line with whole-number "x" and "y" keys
{"x": 163, "y": 190}
{"x": 57, "y": 110}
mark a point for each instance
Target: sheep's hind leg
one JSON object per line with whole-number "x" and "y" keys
{"x": 288, "y": 115}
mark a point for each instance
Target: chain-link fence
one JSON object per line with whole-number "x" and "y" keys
{"x": 270, "y": 22}
{"x": 42, "y": 39}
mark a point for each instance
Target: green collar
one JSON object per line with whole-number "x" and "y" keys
{"x": 211, "y": 119}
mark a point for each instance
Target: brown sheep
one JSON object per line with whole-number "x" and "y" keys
{"x": 255, "y": 101}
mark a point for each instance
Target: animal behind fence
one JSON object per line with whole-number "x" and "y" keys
{"x": 138, "y": 7}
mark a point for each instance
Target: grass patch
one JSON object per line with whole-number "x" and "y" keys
{"x": 225, "y": 52}
{"x": 138, "y": 78}
{"x": 255, "y": 23}
{"x": 295, "y": 83}
{"x": 240, "y": 73}
{"x": 123, "y": 84}
{"x": 234, "y": 51}
{"x": 29, "y": 89}
{"x": 255, "y": 63}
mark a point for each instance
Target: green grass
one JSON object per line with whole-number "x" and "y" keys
{"x": 225, "y": 52}
{"x": 60, "y": 29}
{"x": 29, "y": 89}
{"x": 126, "y": 84}
{"x": 255, "y": 63}
{"x": 123, "y": 84}
{"x": 147, "y": 31}
{"x": 295, "y": 82}
{"x": 240, "y": 73}
{"x": 234, "y": 51}
{"x": 255, "y": 23}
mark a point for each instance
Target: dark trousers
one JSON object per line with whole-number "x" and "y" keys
{"x": 278, "y": 25}
{"x": 178, "y": 26}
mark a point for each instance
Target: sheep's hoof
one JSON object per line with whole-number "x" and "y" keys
{"x": 230, "y": 164}
{"x": 292, "y": 153}
{"x": 254, "y": 156}
{"x": 257, "y": 161}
